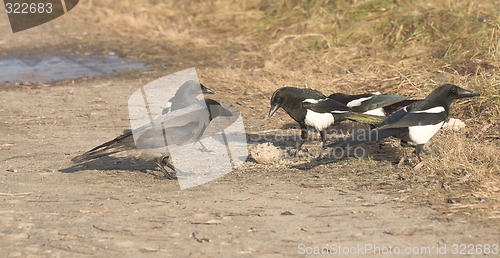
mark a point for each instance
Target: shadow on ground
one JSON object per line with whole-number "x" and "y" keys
{"x": 113, "y": 163}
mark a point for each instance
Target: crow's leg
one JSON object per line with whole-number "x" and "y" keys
{"x": 203, "y": 148}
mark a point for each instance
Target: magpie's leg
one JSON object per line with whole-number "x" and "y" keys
{"x": 323, "y": 140}
{"x": 160, "y": 162}
{"x": 303, "y": 137}
{"x": 298, "y": 148}
{"x": 320, "y": 156}
{"x": 418, "y": 149}
{"x": 404, "y": 143}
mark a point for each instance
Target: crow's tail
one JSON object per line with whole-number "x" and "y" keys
{"x": 121, "y": 143}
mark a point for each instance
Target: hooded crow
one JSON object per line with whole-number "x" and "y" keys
{"x": 372, "y": 103}
{"x": 185, "y": 96}
{"x": 176, "y": 128}
{"x": 299, "y": 103}
{"x": 417, "y": 122}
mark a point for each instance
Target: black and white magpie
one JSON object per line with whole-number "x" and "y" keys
{"x": 301, "y": 104}
{"x": 185, "y": 96}
{"x": 373, "y": 103}
{"x": 179, "y": 127}
{"x": 417, "y": 122}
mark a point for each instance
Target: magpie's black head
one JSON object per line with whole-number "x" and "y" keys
{"x": 290, "y": 99}
{"x": 216, "y": 109}
{"x": 192, "y": 88}
{"x": 450, "y": 92}
{"x": 280, "y": 96}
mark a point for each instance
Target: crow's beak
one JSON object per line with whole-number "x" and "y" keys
{"x": 273, "y": 109}
{"x": 462, "y": 93}
{"x": 225, "y": 112}
{"x": 206, "y": 90}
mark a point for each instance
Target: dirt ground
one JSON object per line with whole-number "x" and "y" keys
{"x": 115, "y": 207}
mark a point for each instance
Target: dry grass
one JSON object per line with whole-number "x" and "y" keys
{"x": 348, "y": 45}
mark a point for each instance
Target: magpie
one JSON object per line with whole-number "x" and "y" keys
{"x": 417, "y": 122}
{"x": 297, "y": 102}
{"x": 185, "y": 96}
{"x": 181, "y": 127}
{"x": 373, "y": 103}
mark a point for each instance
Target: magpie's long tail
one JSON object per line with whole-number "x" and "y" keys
{"x": 372, "y": 135}
{"x": 365, "y": 118}
{"x": 121, "y": 143}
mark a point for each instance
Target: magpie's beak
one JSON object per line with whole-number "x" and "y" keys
{"x": 206, "y": 90}
{"x": 462, "y": 93}
{"x": 273, "y": 109}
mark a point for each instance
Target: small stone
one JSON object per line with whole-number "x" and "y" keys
{"x": 265, "y": 153}
{"x": 11, "y": 169}
{"x": 454, "y": 124}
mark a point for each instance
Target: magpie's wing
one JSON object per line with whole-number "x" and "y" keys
{"x": 350, "y": 100}
{"x": 312, "y": 94}
{"x": 402, "y": 119}
{"x": 379, "y": 101}
{"x": 398, "y": 105}
{"x": 395, "y": 117}
{"x": 364, "y": 118}
{"x": 325, "y": 106}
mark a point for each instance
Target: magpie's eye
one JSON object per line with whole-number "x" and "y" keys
{"x": 454, "y": 89}
{"x": 278, "y": 100}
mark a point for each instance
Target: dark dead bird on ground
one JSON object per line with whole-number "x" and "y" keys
{"x": 181, "y": 127}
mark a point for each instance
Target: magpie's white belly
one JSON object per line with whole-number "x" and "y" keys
{"x": 318, "y": 120}
{"x": 375, "y": 112}
{"x": 422, "y": 134}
